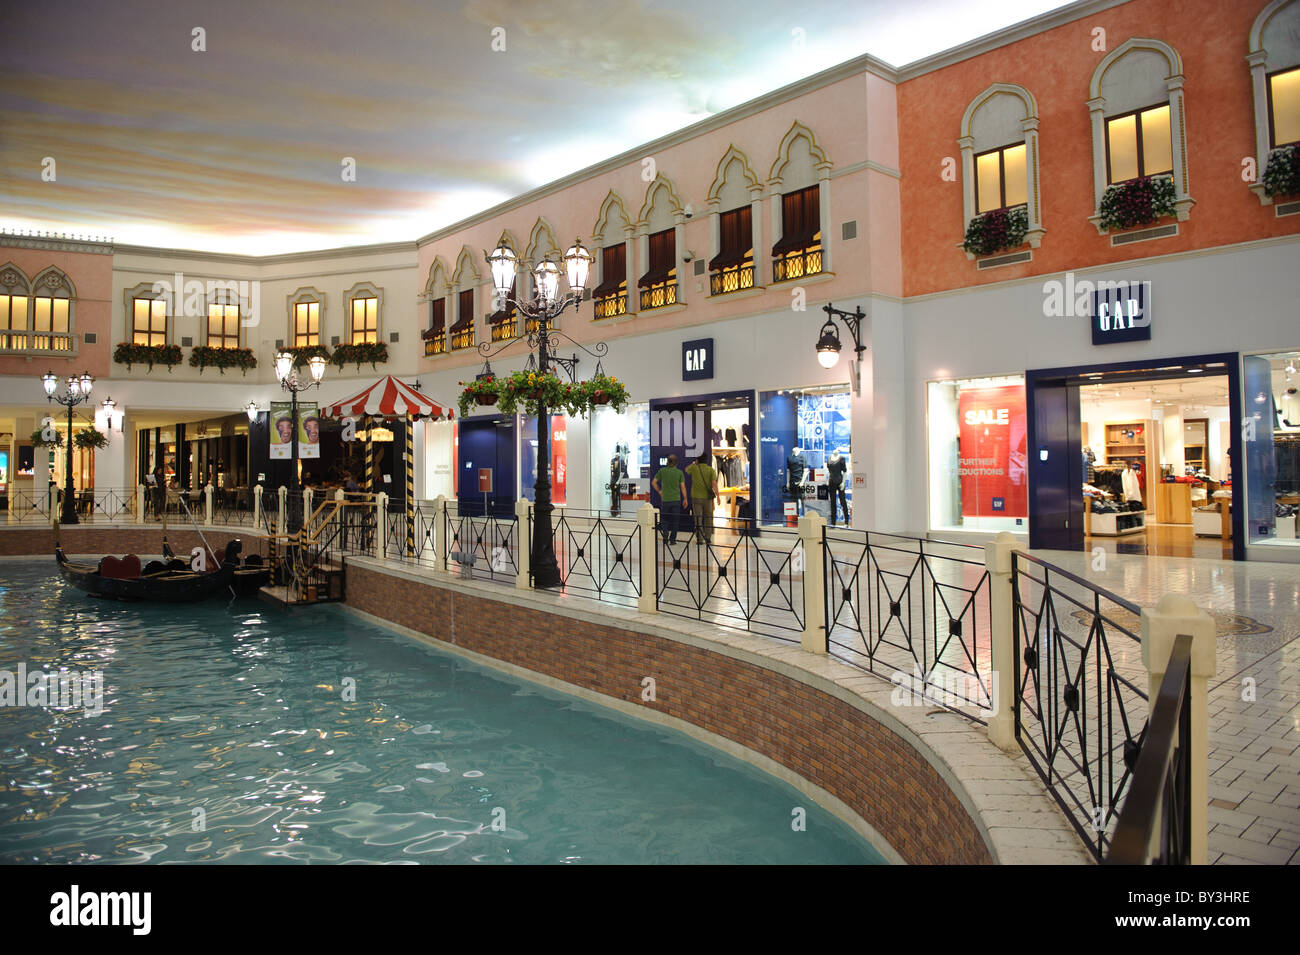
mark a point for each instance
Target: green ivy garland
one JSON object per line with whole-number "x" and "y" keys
{"x": 204, "y": 356}
{"x": 129, "y": 353}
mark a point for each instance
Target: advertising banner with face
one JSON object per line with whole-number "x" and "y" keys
{"x": 282, "y": 430}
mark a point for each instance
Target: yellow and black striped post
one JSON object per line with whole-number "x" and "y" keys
{"x": 370, "y": 457}
{"x": 410, "y": 487}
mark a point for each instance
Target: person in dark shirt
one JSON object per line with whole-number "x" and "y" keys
{"x": 835, "y": 469}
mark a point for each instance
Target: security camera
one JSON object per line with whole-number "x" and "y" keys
{"x": 689, "y": 211}
{"x": 688, "y": 255}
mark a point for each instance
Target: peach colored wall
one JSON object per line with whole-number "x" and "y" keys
{"x": 838, "y": 115}
{"x": 92, "y": 276}
{"x": 1056, "y": 66}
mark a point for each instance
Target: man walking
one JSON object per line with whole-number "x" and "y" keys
{"x": 668, "y": 485}
{"x": 704, "y": 491}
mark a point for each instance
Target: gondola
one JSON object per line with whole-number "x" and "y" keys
{"x": 171, "y": 581}
{"x": 251, "y": 574}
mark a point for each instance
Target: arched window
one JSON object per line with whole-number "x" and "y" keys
{"x": 464, "y": 282}
{"x": 15, "y": 306}
{"x": 999, "y": 157}
{"x": 660, "y": 240}
{"x": 1274, "y": 60}
{"x": 612, "y": 236}
{"x": 363, "y": 305}
{"x": 53, "y": 303}
{"x": 1138, "y": 121}
{"x": 799, "y": 182}
{"x": 735, "y": 214}
{"x": 435, "y": 293}
{"x": 306, "y": 312}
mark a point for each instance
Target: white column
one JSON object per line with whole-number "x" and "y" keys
{"x": 1259, "y": 87}
{"x": 279, "y": 524}
{"x": 967, "y": 146}
{"x": 1095, "y": 108}
{"x": 648, "y": 601}
{"x": 207, "y": 504}
{"x": 440, "y": 530}
{"x": 523, "y": 535}
{"x": 824, "y": 201}
{"x": 1177, "y": 614}
{"x": 762, "y": 255}
{"x": 308, "y": 496}
{"x": 139, "y": 503}
{"x": 813, "y": 580}
{"x": 630, "y": 260}
{"x": 381, "y": 525}
{"x": 257, "y": 505}
{"x": 997, "y": 558}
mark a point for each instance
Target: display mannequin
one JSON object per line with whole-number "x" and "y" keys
{"x": 795, "y": 465}
{"x": 836, "y": 468}
{"x": 616, "y": 469}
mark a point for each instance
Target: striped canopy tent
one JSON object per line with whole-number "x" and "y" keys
{"x": 390, "y": 398}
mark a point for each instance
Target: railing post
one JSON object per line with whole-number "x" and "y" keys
{"x": 257, "y": 505}
{"x": 1002, "y": 678}
{"x": 308, "y": 494}
{"x": 284, "y": 500}
{"x": 811, "y": 528}
{"x": 207, "y": 504}
{"x": 139, "y": 503}
{"x": 1175, "y": 614}
{"x": 381, "y": 525}
{"x": 648, "y": 601}
{"x": 440, "y": 531}
{"x": 524, "y": 515}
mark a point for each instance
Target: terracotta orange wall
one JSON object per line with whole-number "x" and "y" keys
{"x": 92, "y": 276}
{"x": 1056, "y": 66}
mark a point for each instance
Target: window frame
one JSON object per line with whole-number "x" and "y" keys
{"x": 149, "y": 333}
{"x": 222, "y": 336}
{"x": 1268, "y": 93}
{"x": 1141, "y": 152}
{"x": 293, "y": 327}
{"x": 353, "y": 302}
{"x": 1002, "y": 177}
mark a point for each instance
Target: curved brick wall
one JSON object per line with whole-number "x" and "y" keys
{"x": 27, "y": 539}
{"x": 827, "y": 741}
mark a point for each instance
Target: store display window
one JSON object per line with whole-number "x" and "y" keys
{"x": 1271, "y": 443}
{"x": 978, "y": 468}
{"x": 559, "y": 458}
{"x": 719, "y": 426}
{"x": 806, "y": 454}
{"x": 620, "y": 458}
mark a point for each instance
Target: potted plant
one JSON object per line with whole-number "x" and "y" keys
{"x": 1282, "y": 171}
{"x": 604, "y": 390}
{"x": 373, "y": 352}
{"x": 92, "y": 437}
{"x": 481, "y": 391}
{"x": 129, "y": 353}
{"x": 38, "y": 439}
{"x": 1138, "y": 202}
{"x": 528, "y": 389}
{"x": 203, "y": 356}
{"x": 996, "y": 231}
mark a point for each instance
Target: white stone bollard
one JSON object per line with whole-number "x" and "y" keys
{"x": 648, "y": 601}
{"x": 997, "y": 558}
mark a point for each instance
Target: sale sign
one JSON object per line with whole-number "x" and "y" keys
{"x": 992, "y": 462}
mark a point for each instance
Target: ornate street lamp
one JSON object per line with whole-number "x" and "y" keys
{"x": 547, "y": 305}
{"x": 252, "y": 411}
{"x": 78, "y": 391}
{"x": 828, "y": 345}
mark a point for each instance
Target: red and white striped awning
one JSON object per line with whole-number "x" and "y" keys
{"x": 387, "y": 398}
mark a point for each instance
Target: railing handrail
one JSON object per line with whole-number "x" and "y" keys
{"x": 1137, "y": 820}
{"x": 1018, "y": 555}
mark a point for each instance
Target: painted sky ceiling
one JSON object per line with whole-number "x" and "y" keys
{"x": 240, "y": 147}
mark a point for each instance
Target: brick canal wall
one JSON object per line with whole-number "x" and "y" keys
{"x": 38, "y": 540}
{"x": 816, "y": 735}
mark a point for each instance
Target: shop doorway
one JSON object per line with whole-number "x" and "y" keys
{"x": 721, "y": 425}
{"x": 1137, "y": 457}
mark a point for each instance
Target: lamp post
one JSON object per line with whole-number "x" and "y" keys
{"x": 828, "y": 345}
{"x": 291, "y": 383}
{"x": 78, "y": 391}
{"x": 546, "y": 306}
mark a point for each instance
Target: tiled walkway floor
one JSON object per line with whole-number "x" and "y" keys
{"x": 1254, "y": 742}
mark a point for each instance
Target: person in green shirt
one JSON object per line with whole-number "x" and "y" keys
{"x": 704, "y": 491}
{"x": 668, "y": 485}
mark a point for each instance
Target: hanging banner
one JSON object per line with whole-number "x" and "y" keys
{"x": 992, "y": 462}
{"x": 282, "y": 430}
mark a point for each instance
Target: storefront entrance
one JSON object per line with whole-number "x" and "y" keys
{"x": 1137, "y": 457}
{"x": 720, "y": 425}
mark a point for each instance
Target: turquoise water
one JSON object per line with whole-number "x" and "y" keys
{"x": 238, "y": 711}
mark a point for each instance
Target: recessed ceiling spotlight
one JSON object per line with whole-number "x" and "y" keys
{"x": 1195, "y": 371}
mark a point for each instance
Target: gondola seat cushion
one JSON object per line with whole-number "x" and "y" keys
{"x": 125, "y": 568}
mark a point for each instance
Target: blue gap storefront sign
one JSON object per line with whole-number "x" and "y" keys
{"x": 697, "y": 359}
{"x": 1121, "y": 312}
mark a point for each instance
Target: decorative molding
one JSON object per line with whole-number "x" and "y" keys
{"x": 57, "y": 242}
{"x": 466, "y": 274}
{"x": 541, "y": 243}
{"x": 796, "y": 132}
{"x": 733, "y": 154}
{"x": 651, "y": 199}
{"x": 438, "y": 284}
{"x": 612, "y": 202}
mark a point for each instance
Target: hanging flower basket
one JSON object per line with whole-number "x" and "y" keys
{"x": 481, "y": 391}
{"x": 528, "y": 390}
{"x": 485, "y": 399}
{"x": 90, "y": 438}
{"x": 38, "y": 439}
{"x": 600, "y": 398}
{"x": 996, "y": 231}
{"x": 604, "y": 390}
{"x": 1137, "y": 202}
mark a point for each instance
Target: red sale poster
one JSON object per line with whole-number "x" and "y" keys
{"x": 992, "y": 462}
{"x": 559, "y": 458}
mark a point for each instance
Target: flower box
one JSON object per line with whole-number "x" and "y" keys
{"x": 204, "y": 356}
{"x": 129, "y": 353}
{"x": 1138, "y": 202}
{"x": 996, "y": 231}
{"x": 1282, "y": 172}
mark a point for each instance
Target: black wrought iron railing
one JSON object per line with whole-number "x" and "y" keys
{"x": 731, "y": 576}
{"x": 485, "y": 548}
{"x": 1154, "y": 826}
{"x": 733, "y": 278}
{"x": 435, "y": 345}
{"x": 1080, "y": 711}
{"x": 797, "y": 264}
{"x": 462, "y": 338}
{"x": 920, "y": 608}
{"x": 659, "y": 295}
{"x": 599, "y": 554}
{"x": 612, "y": 305}
{"x": 233, "y": 507}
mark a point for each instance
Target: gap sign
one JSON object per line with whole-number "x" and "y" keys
{"x": 697, "y": 359}
{"x": 1121, "y": 312}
